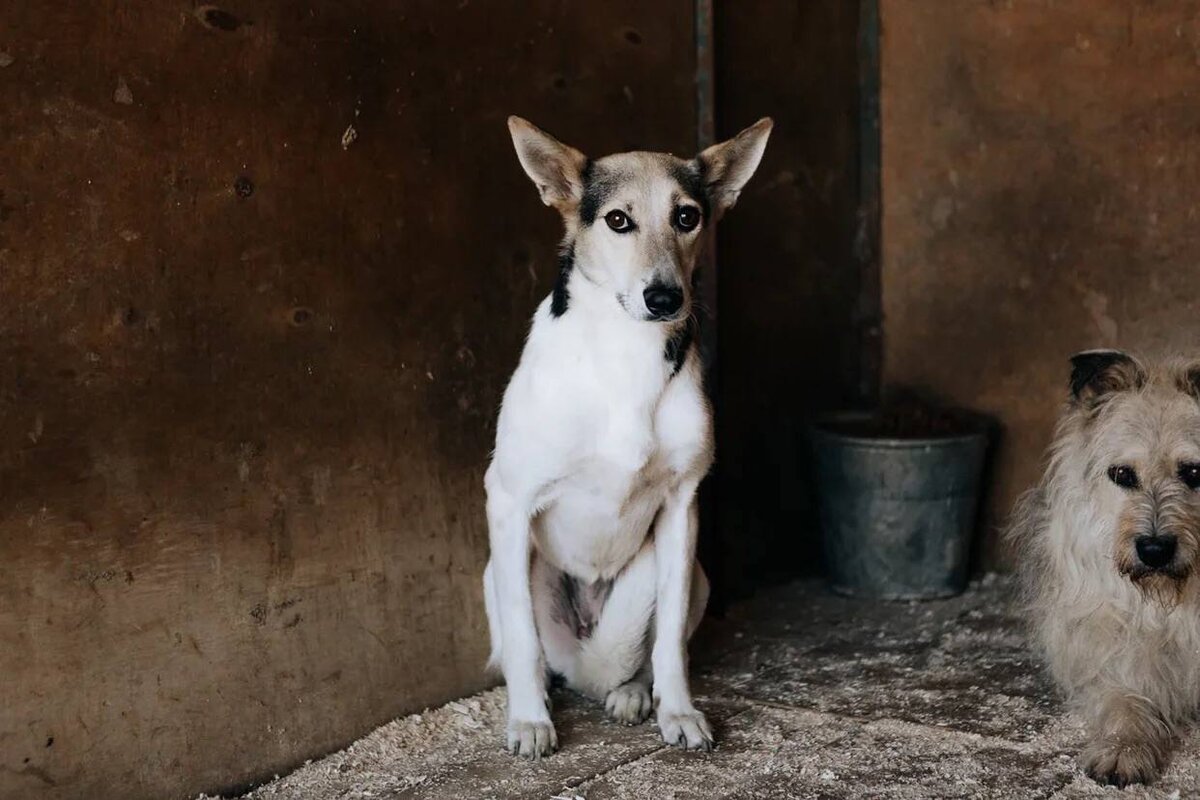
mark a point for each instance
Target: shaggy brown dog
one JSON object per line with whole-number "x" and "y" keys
{"x": 1108, "y": 543}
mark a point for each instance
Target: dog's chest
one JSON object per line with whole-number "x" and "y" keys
{"x": 599, "y": 514}
{"x": 628, "y": 457}
{"x": 598, "y": 422}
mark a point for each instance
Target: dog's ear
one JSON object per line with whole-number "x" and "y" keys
{"x": 1098, "y": 373}
{"x": 728, "y": 166}
{"x": 556, "y": 169}
{"x": 1189, "y": 379}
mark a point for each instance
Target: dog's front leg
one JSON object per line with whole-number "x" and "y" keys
{"x": 530, "y": 732}
{"x": 1130, "y": 738}
{"x": 675, "y": 554}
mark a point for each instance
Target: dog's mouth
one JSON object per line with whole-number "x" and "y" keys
{"x": 665, "y": 317}
{"x": 1163, "y": 585}
{"x": 1139, "y": 572}
{"x": 1157, "y": 560}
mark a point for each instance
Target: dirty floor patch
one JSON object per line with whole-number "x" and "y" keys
{"x": 811, "y": 696}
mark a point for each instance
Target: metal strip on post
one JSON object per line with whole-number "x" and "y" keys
{"x": 705, "y": 112}
{"x": 710, "y": 545}
{"x": 868, "y": 234}
{"x": 706, "y": 125}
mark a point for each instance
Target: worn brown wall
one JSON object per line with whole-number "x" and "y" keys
{"x": 248, "y": 375}
{"x": 1039, "y": 192}
{"x": 790, "y": 305}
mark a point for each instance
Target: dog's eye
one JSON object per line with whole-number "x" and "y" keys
{"x": 619, "y": 221}
{"x": 1190, "y": 475}
{"x": 1123, "y": 476}
{"x": 687, "y": 218}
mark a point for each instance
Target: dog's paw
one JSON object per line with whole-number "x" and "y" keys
{"x": 687, "y": 729}
{"x": 1120, "y": 765}
{"x": 531, "y": 739}
{"x": 629, "y": 703}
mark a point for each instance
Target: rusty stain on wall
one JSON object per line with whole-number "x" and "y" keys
{"x": 248, "y": 375}
{"x": 1039, "y": 180}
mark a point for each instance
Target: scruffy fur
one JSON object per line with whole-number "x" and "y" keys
{"x": 1122, "y": 637}
{"x": 603, "y": 436}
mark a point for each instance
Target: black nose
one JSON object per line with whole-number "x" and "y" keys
{"x": 1155, "y": 551}
{"x": 662, "y": 301}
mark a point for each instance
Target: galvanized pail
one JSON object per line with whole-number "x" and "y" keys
{"x": 897, "y": 515}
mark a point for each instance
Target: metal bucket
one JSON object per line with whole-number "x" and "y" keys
{"x": 897, "y": 515}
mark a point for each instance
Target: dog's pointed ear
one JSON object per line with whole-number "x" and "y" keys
{"x": 728, "y": 166}
{"x": 556, "y": 169}
{"x": 1098, "y": 373}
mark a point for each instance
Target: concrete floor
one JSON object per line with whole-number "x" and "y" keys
{"x": 811, "y": 696}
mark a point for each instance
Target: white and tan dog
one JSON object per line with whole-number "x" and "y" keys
{"x": 1108, "y": 547}
{"x": 603, "y": 436}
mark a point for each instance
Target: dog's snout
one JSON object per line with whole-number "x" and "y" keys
{"x": 662, "y": 300}
{"x": 1155, "y": 552}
